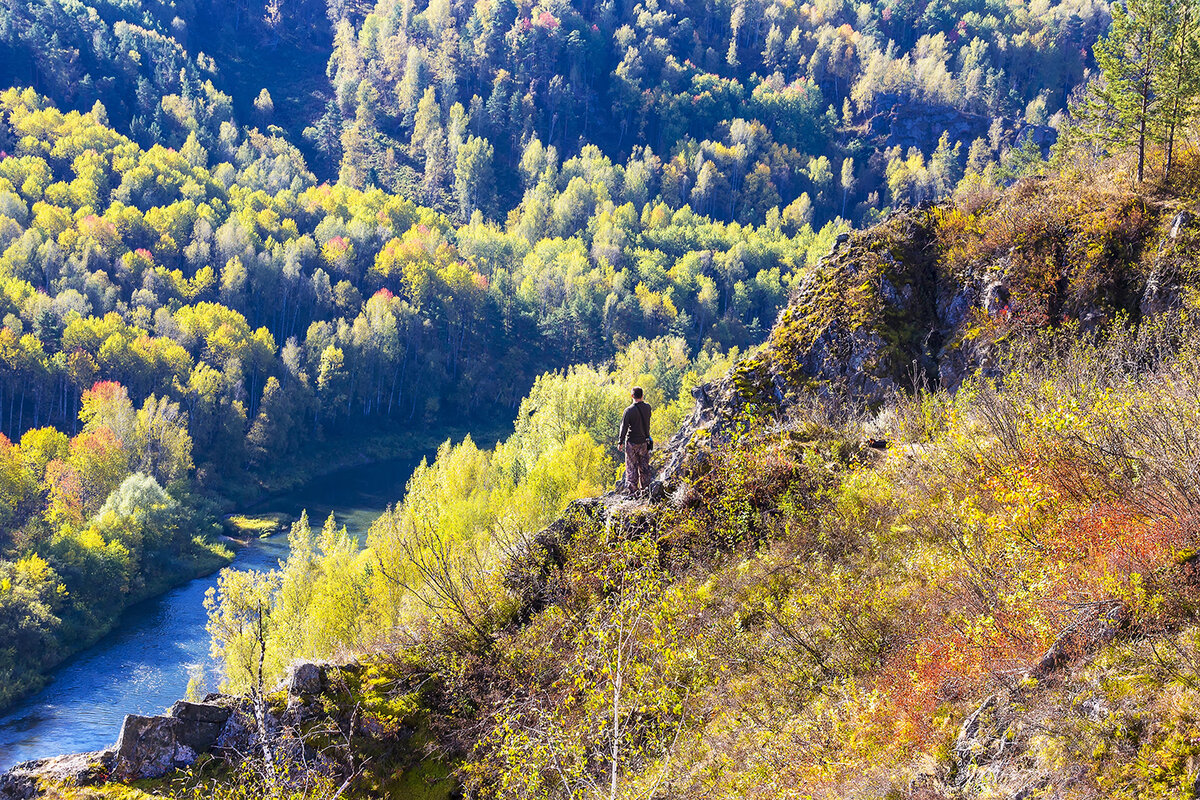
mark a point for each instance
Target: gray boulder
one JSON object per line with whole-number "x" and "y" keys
{"x": 1181, "y": 221}
{"x": 305, "y": 678}
{"x": 240, "y": 733}
{"x": 201, "y": 723}
{"x": 150, "y": 747}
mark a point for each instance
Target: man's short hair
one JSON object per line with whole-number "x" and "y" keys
{"x": 637, "y": 393}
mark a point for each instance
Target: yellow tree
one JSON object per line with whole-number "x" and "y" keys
{"x": 241, "y": 623}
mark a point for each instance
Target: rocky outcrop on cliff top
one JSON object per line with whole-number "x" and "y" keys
{"x": 896, "y": 306}
{"x": 871, "y": 318}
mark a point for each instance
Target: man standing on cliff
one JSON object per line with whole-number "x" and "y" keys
{"x": 634, "y": 441}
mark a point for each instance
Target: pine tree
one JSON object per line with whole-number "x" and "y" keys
{"x": 1178, "y": 82}
{"x": 427, "y": 118}
{"x": 1131, "y": 60}
{"x": 435, "y": 162}
{"x": 848, "y": 182}
{"x": 411, "y": 85}
{"x": 264, "y": 106}
{"x": 773, "y": 52}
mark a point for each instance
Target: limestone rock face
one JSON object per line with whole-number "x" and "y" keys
{"x": 895, "y": 307}
{"x": 1165, "y": 283}
{"x": 980, "y": 741}
{"x": 867, "y": 321}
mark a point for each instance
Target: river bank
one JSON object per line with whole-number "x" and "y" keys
{"x": 355, "y": 450}
{"x": 214, "y": 547}
{"x": 145, "y": 660}
{"x": 201, "y": 560}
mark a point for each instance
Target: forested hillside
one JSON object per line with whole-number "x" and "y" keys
{"x": 271, "y": 307}
{"x": 732, "y": 108}
{"x": 817, "y": 111}
{"x": 163, "y": 70}
{"x": 910, "y": 286}
{"x": 249, "y": 311}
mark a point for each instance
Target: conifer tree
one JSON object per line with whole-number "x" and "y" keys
{"x": 1178, "y": 82}
{"x": 426, "y": 120}
{"x": 1131, "y": 59}
{"x": 848, "y": 182}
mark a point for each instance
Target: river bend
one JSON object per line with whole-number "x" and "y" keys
{"x": 145, "y": 663}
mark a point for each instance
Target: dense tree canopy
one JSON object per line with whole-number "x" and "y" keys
{"x": 90, "y": 523}
{"x": 269, "y": 307}
{"x": 181, "y": 317}
{"x": 734, "y": 108}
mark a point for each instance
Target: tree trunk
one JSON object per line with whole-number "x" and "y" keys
{"x": 616, "y": 725}
{"x": 1185, "y": 35}
{"x": 1170, "y": 148}
{"x": 260, "y": 704}
{"x": 1141, "y": 169}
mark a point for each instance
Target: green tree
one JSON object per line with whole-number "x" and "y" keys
{"x": 333, "y": 380}
{"x": 264, "y": 106}
{"x": 269, "y": 433}
{"x": 848, "y": 182}
{"x": 944, "y": 167}
{"x": 1178, "y": 82}
{"x": 410, "y": 90}
{"x": 241, "y": 623}
{"x": 473, "y": 176}
{"x": 1131, "y": 60}
{"x": 144, "y": 518}
{"x": 426, "y": 120}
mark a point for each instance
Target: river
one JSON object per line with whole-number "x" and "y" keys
{"x": 144, "y": 664}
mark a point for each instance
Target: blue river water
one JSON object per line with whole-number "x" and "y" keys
{"x": 145, "y": 663}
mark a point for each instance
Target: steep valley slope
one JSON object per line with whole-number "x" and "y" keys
{"x": 934, "y": 539}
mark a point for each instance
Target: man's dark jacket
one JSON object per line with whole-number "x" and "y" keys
{"x": 635, "y": 425}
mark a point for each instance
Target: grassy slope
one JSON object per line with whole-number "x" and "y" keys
{"x": 823, "y": 617}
